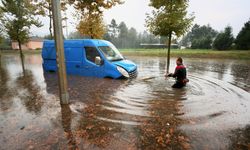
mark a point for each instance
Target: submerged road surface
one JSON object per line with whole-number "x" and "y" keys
{"x": 211, "y": 112}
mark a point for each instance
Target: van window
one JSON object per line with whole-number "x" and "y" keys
{"x": 111, "y": 53}
{"x": 91, "y": 53}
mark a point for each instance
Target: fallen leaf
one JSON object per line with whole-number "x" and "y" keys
{"x": 89, "y": 127}
{"x": 171, "y": 131}
{"x": 186, "y": 145}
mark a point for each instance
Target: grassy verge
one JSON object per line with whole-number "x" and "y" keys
{"x": 189, "y": 53}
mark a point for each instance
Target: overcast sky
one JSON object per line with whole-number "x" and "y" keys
{"x": 217, "y": 13}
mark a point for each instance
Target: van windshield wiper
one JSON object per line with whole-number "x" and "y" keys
{"x": 117, "y": 59}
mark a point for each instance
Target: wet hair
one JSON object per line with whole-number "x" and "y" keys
{"x": 179, "y": 59}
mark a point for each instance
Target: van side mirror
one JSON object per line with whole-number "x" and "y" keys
{"x": 98, "y": 60}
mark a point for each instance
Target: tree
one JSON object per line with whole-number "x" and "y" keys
{"x": 202, "y": 43}
{"x": 186, "y": 40}
{"x": 170, "y": 18}
{"x": 243, "y": 38}
{"x": 112, "y": 32}
{"x": 123, "y": 33}
{"x": 163, "y": 39}
{"x": 132, "y": 38}
{"x": 5, "y": 44}
{"x": 92, "y": 11}
{"x": 202, "y": 36}
{"x": 113, "y": 28}
{"x": 45, "y": 9}
{"x": 96, "y": 7}
{"x": 148, "y": 38}
{"x": 18, "y": 17}
{"x": 76, "y": 35}
{"x": 107, "y": 37}
{"x": 224, "y": 40}
{"x": 122, "y": 36}
{"x": 92, "y": 26}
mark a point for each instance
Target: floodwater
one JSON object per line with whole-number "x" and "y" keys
{"x": 211, "y": 112}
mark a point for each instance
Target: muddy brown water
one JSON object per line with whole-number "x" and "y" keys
{"x": 211, "y": 112}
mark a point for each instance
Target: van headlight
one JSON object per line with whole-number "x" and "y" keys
{"x": 123, "y": 71}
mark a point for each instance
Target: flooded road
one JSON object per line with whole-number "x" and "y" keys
{"x": 211, "y": 112}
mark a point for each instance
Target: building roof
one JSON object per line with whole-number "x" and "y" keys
{"x": 36, "y": 39}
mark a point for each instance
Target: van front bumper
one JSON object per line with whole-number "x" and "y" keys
{"x": 133, "y": 74}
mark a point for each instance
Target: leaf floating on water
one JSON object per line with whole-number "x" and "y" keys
{"x": 31, "y": 147}
{"x": 171, "y": 131}
{"x": 192, "y": 122}
{"x": 103, "y": 128}
{"x": 159, "y": 139}
{"x": 181, "y": 138}
{"x": 89, "y": 127}
{"x": 186, "y": 146}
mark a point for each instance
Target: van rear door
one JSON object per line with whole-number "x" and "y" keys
{"x": 91, "y": 67}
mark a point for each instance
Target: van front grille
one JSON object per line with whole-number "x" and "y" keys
{"x": 133, "y": 74}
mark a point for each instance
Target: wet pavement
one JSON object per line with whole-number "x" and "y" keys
{"x": 211, "y": 112}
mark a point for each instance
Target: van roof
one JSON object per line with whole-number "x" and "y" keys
{"x": 78, "y": 43}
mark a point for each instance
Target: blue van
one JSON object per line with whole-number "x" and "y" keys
{"x": 89, "y": 57}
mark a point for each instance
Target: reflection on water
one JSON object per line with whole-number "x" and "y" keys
{"x": 144, "y": 113}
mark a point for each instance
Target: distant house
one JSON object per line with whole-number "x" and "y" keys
{"x": 32, "y": 44}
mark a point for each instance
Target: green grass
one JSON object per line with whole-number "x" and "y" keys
{"x": 189, "y": 53}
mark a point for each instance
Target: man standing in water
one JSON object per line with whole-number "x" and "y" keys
{"x": 180, "y": 74}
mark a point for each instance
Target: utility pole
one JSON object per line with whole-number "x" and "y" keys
{"x": 58, "y": 34}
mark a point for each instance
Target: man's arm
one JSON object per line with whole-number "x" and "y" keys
{"x": 175, "y": 73}
{"x": 172, "y": 74}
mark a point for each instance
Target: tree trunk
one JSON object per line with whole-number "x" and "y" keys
{"x": 50, "y": 23}
{"x": 91, "y": 33}
{"x": 169, "y": 46}
{"x": 0, "y": 59}
{"x": 21, "y": 56}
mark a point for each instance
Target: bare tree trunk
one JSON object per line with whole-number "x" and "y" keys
{"x": 50, "y": 22}
{"x": 0, "y": 58}
{"x": 91, "y": 33}
{"x": 21, "y": 56}
{"x": 169, "y": 46}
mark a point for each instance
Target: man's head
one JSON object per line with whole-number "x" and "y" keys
{"x": 179, "y": 61}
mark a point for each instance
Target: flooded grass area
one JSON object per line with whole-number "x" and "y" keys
{"x": 211, "y": 112}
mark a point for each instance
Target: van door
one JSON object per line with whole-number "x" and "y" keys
{"x": 91, "y": 67}
{"x": 73, "y": 58}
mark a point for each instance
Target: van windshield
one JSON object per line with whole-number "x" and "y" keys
{"x": 111, "y": 53}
